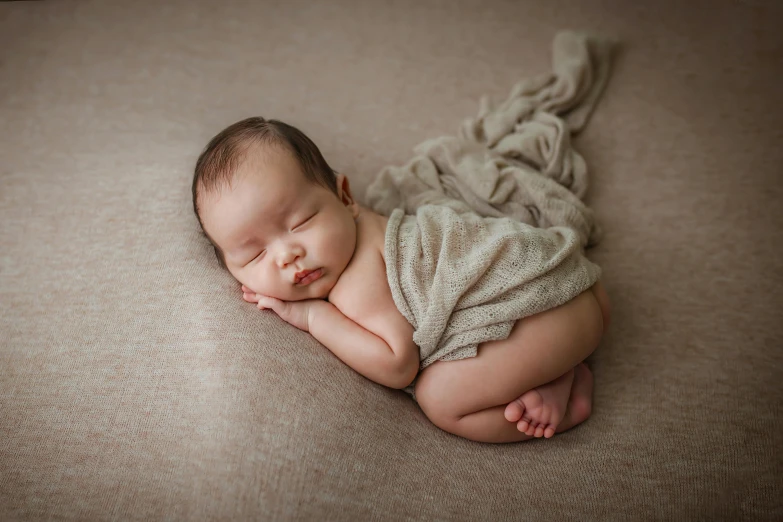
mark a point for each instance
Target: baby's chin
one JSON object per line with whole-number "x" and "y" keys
{"x": 312, "y": 291}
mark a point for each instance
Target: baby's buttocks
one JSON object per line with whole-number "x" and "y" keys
{"x": 462, "y": 279}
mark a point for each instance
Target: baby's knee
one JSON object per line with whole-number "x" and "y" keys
{"x": 434, "y": 403}
{"x": 438, "y": 414}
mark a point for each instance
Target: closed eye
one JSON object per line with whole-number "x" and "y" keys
{"x": 305, "y": 221}
{"x": 257, "y": 257}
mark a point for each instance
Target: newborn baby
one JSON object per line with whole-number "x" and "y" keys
{"x": 287, "y": 227}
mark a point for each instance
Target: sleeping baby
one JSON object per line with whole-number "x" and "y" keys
{"x": 437, "y": 303}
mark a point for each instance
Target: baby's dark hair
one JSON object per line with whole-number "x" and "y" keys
{"x": 225, "y": 152}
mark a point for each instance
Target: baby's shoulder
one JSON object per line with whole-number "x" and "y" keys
{"x": 363, "y": 286}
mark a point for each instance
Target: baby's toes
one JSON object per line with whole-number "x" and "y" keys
{"x": 514, "y": 411}
{"x": 531, "y": 428}
{"x": 547, "y": 416}
{"x": 549, "y": 432}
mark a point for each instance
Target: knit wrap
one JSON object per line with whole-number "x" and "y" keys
{"x": 461, "y": 279}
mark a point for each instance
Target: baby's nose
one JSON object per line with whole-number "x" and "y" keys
{"x": 288, "y": 256}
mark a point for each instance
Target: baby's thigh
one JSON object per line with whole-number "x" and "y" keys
{"x": 539, "y": 349}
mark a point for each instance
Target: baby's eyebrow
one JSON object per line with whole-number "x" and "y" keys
{"x": 285, "y": 210}
{"x": 246, "y": 243}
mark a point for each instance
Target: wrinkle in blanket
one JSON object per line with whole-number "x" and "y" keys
{"x": 515, "y": 159}
{"x": 461, "y": 279}
{"x": 488, "y": 227}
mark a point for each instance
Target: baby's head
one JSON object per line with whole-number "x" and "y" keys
{"x": 274, "y": 210}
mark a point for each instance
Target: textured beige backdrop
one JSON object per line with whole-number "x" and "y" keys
{"x": 136, "y": 384}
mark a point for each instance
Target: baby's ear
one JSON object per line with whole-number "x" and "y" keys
{"x": 344, "y": 194}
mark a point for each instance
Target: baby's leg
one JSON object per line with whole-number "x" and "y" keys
{"x": 540, "y": 411}
{"x": 490, "y": 426}
{"x": 462, "y": 396}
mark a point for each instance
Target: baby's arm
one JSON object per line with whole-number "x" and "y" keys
{"x": 389, "y": 358}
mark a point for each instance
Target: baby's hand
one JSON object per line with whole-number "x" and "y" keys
{"x": 249, "y": 295}
{"x": 293, "y": 312}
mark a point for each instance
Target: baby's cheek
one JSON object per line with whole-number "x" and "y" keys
{"x": 257, "y": 282}
{"x": 339, "y": 244}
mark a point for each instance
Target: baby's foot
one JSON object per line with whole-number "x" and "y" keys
{"x": 580, "y": 404}
{"x": 539, "y": 411}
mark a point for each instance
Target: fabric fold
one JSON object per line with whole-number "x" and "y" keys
{"x": 461, "y": 279}
{"x": 514, "y": 159}
{"x": 488, "y": 227}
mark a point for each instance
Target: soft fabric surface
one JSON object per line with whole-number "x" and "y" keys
{"x": 515, "y": 159}
{"x": 135, "y": 383}
{"x": 461, "y": 279}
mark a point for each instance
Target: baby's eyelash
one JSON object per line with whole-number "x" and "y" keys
{"x": 305, "y": 221}
{"x": 256, "y": 257}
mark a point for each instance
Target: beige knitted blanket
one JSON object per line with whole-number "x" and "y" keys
{"x": 489, "y": 227}
{"x": 462, "y": 279}
{"x": 515, "y": 159}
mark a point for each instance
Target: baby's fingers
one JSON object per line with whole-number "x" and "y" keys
{"x": 250, "y": 297}
{"x": 265, "y": 302}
